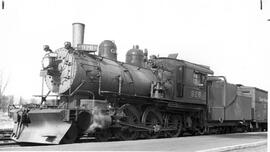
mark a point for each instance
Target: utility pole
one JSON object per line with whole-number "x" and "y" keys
{"x": 3, "y": 4}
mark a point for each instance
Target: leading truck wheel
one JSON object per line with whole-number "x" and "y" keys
{"x": 71, "y": 135}
{"x": 103, "y": 135}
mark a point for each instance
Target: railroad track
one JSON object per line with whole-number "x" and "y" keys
{"x": 8, "y": 143}
{"x": 5, "y": 140}
{"x": 5, "y": 134}
{"x": 5, "y": 137}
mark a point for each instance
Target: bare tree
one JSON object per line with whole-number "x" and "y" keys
{"x": 3, "y": 84}
{"x": 22, "y": 101}
{"x": 4, "y": 101}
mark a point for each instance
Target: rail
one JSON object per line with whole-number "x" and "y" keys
{"x": 5, "y": 135}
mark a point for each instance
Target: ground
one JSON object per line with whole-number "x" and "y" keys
{"x": 5, "y": 121}
{"x": 262, "y": 148}
{"x": 183, "y": 144}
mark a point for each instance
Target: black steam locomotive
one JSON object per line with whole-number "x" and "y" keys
{"x": 96, "y": 95}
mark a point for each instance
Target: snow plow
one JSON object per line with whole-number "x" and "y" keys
{"x": 43, "y": 126}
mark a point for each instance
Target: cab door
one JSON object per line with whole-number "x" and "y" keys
{"x": 179, "y": 81}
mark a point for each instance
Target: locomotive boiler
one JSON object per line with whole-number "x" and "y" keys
{"x": 97, "y": 95}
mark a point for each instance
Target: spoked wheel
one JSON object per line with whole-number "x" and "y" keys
{"x": 153, "y": 119}
{"x": 132, "y": 117}
{"x": 71, "y": 135}
{"x": 173, "y": 122}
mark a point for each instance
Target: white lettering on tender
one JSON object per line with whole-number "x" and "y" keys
{"x": 261, "y": 99}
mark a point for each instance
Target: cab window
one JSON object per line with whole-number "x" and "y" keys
{"x": 198, "y": 78}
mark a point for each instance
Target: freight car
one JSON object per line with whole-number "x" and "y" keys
{"x": 96, "y": 95}
{"x": 258, "y": 106}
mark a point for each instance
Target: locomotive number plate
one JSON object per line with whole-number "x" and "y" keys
{"x": 195, "y": 94}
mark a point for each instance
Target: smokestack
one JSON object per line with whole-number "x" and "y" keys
{"x": 78, "y": 34}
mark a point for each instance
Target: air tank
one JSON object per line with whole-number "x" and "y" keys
{"x": 107, "y": 49}
{"x": 135, "y": 56}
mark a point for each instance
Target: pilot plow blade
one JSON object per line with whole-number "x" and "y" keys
{"x": 43, "y": 126}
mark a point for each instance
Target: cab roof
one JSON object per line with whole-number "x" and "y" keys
{"x": 198, "y": 67}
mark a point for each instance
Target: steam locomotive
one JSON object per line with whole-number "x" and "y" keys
{"x": 97, "y": 95}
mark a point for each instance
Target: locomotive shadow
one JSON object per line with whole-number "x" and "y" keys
{"x": 32, "y": 144}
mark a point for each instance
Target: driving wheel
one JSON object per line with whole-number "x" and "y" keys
{"x": 175, "y": 123}
{"x": 131, "y": 117}
{"x": 152, "y": 118}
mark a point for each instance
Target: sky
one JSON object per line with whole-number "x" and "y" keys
{"x": 230, "y": 36}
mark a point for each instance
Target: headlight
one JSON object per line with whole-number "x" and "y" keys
{"x": 48, "y": 60}
{"x": 45, "y": 62}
